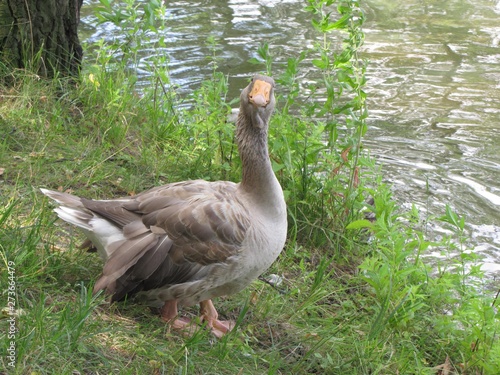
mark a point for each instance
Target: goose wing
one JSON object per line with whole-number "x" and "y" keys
{"x": 171, "y": 234}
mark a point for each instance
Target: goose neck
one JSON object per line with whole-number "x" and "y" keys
{"x": 257, "y": 173}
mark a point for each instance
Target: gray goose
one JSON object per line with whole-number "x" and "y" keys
{"x": 188, "y": 242}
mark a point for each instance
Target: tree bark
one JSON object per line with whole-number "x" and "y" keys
{"x": 41, "y": 36}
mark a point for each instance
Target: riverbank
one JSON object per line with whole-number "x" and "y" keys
{"x": 356, "y": 295}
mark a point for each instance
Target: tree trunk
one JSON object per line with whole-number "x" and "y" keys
{"x": 41, "y": 36}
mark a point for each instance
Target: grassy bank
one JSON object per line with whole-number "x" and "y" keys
{"x": 357, "y": 296}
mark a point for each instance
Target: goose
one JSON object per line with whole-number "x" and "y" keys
{"x": 186, "y": 243}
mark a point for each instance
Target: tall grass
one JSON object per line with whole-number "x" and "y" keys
{"x": 358, "y": 296}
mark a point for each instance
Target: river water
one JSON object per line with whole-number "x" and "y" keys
{"x": 433, "y": 89}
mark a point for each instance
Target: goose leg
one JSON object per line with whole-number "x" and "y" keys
{"x": 209, "y": 314}
{"x": 169, "y": 315}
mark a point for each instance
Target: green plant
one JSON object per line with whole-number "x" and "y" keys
{"x": 264, "y": 56}
{"x": 320, "y": 171}
{"x": 135, "y": 21}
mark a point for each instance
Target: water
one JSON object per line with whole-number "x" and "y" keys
{"x": 435, "y": 109}
{"x": 434, "y": 89}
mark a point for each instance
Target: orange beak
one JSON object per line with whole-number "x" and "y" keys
{"x": 260, "y": 94}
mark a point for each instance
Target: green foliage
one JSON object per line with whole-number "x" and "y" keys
{"x": 264, "y": 56}
{"x": 317, "y": 147}
{"x": 136, "y": 22}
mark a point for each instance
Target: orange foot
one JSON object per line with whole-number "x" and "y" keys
{"x": 208, "y": 314}
{"x": 169, "y": 314}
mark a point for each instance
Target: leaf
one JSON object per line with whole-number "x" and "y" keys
{"x": 254, "y": 61}
{"x": 452, "y": 218}
{"x": 322, "y": 64}
{"x": 277, "y": 166}
{"x": 339, "y": 24}
{"x": 445, "y": 368}
{"x": 345, "y": 154}
{"x": 316, "y": 25}
{"x": 359, "y": 224}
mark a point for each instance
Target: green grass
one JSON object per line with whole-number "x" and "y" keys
{"x": 356, "y": 298}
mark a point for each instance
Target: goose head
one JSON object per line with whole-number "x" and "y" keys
{"x": 257, "y": 101}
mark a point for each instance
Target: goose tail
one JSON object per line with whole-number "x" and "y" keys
{"x": 97, "y": 229}
{"x": 71, "y": 209}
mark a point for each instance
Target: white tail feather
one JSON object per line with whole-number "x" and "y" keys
{"x": 105, "y": 234}
{"x": 75, "y": 216}
{"x": 100, "y": 231}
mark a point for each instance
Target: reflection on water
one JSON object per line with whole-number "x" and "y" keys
{"x": 435, "y": 109}
{"x": 434, "y": 88}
